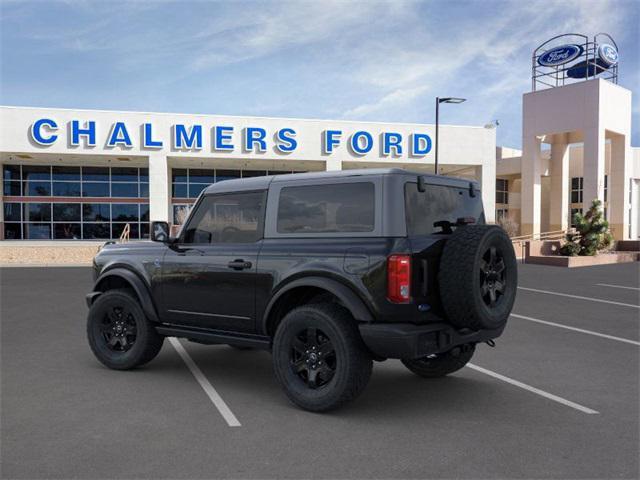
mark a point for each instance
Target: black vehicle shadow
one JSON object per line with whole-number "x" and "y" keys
{"x": 392, "y": 393}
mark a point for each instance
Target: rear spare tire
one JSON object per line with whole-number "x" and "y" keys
{"x": 478, "y": 277}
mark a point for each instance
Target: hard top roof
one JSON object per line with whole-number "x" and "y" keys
{"x": 262, "y": 183}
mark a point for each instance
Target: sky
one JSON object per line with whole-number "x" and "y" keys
{"x": 351, "y": 60}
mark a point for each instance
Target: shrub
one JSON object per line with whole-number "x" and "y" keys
{"x": 509, "y": 225}
{"x": 592, "y": 233}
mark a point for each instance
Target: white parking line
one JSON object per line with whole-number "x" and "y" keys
{"x": 217, "y": 400}
{"x": 579, "y": 297}
{"x": 535, "y": 390}
{"x": 616, "y": 286}
{"x": 559, "y": 325}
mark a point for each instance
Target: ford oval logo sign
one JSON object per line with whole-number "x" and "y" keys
{"x": 608, "y": 54}
{"x": 560, "y": 55}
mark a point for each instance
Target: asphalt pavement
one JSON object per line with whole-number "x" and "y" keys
{"x": 558, "y": 397}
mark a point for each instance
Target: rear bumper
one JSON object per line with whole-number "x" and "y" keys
{"x": 406, "y": 340}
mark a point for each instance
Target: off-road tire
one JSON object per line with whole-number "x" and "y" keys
{"x": 147, "y": 342}
{"x": 352, "y": 362}
{"x": 441, "y": 364}
{"x": 462, "y": 278}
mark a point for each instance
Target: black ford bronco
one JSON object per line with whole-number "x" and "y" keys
{"x": 329, "y": 271}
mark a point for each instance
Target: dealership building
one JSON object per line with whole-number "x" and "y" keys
{"x": 87, "y": 174}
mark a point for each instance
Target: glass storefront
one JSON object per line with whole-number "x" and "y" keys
{"x": 77, "y": 202}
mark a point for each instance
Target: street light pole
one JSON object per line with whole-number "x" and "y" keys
{"x": 438, "y": 102}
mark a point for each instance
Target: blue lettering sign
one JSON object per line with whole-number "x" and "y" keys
{"x": 357, "y": 146}
{"x": 286, "y": 140}
{"x": 119, "y": 136}
{"x": 186, "y": 139}
{"x": 36, "y": 131}
{"x": 331, "y": 139}
{"x": 255, "y": 136}
{"x": 420, "y": 144}
{"x": 89, "y": 131}
{"x": 391, "y": 140}
{"x": 221, "y": 137}
{"x": 147, "y": 138}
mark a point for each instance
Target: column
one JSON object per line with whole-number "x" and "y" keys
{"x": 593, "y": 166}
{"x": 159, "y": 188}
{"x": 531, "y": 186}
{"x": 559, "y": 196}
{"x": 618, "y": 188}
{"x": 333, "y": 164}
{"x": 486, "y": 176}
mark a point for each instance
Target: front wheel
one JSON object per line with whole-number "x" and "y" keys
{"x": 319, "y": 357}
{"x": 441, "y": 364}
{"x": 119, "y": 333}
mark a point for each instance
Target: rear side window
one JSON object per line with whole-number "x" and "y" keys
{"x": 331, "y": 208}
{"x": 436, "y": 204}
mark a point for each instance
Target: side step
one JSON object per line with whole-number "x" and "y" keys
{"x": 212, "y": 337}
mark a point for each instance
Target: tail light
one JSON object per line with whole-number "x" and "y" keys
{"x": 399, "y": 278}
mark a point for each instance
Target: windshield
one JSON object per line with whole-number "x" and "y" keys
{"x": 439, "y": 203}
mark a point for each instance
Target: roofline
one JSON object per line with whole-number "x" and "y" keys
{"x": 265, "y": 181}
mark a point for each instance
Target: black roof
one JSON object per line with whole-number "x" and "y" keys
{"x": 262, "y": 183}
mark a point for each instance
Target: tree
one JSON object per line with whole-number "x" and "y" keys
{"x": 592, "y": 233}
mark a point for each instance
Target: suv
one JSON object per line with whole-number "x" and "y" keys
{"x": 329, "y": 271}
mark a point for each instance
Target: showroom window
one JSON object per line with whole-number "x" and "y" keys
{"x": 74, "y": 221}
{"x": 63, "y": 181}
{"x": 81, "y": 202}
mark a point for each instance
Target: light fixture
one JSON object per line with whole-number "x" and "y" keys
{"x": 440, "y": 100}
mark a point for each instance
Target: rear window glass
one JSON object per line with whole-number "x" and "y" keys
{"x": 331, "y": 208}
{"x": 436, "y": 204}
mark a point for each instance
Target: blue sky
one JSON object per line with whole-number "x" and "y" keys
{"x": 368, "y": 60}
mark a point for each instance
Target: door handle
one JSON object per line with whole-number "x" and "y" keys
{"x": 239, "y": 264}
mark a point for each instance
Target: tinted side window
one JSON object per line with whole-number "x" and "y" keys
{"x": 233, "y": 218}
{"x": 438, "y": 203}
{"x": 340, "y": 207}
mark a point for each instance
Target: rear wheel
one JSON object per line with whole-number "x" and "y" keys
{"x": 441, "y": 364}
{"x": 119, "y": 333}
{"x": 319, "y": 357}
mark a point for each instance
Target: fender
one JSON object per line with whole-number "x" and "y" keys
{"x": 347, "y": 296}
{"x": 136, "y": 283}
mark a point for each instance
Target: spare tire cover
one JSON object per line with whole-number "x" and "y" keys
{"x": 478, "y": 277}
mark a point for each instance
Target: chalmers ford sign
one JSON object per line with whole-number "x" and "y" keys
{"x": 222, "y": 138}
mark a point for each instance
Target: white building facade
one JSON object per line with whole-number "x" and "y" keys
{"x": 85, "y": 174}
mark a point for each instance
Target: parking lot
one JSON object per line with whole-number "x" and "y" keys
{"x": 557, "y": 398}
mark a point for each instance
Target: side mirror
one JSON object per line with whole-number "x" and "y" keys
{"x": 160, "y": 232}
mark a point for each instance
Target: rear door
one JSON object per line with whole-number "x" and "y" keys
{"x": 208, "y": 277}
{"x": 431, "y": 216}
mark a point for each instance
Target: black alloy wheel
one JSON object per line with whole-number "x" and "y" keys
{"x": 119, "y": 329}
{"x": 492, "y": 277}
{"x": 119, "y": 333}
{"x": 319, "y": 357}
{"x": 313, "y": 357}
